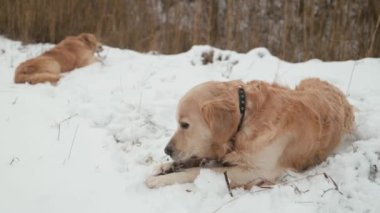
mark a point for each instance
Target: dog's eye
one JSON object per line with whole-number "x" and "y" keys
{"x": 184, "y": 125}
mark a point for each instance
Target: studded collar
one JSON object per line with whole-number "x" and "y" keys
{"x": 242, "y": 106}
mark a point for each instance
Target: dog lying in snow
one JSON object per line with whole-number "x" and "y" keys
{"x": 254, "y": 131}
{"x": 73, "y": 52}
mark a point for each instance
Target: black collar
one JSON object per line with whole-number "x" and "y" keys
{"x": 242, "y": 106}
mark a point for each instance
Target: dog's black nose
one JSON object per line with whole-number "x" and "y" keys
{"x": 168, "y": 150}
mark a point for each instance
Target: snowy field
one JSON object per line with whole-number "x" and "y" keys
{"x": 88, "y": 144}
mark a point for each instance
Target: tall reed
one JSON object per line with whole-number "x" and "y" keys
{"x": 294, "y": 30}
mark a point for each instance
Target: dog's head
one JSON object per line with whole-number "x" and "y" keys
{"x": 91, "y": 41}
{"x": 207, "y": 116}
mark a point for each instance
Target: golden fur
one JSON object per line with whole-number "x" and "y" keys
{"x": 283, "y": 129}
{"x": 73, "y": 52}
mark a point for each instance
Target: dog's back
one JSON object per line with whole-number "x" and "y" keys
{"x": 332, "y": 94}
{"x": 63, "y": 57}
{"x": 322, "y": 116}
{"x": 72, "y": 52}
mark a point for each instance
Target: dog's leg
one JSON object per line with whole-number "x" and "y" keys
{"x": 177, "y": 166}
{"x": 42, "y": 77}
{"x": 95, "y": 59}
{"x": 239, "y": 177}
{"x": 186, "y": 176}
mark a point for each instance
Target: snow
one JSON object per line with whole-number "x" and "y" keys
{"x": 88, "y": 143}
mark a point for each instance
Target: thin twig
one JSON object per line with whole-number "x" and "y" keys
{"x": 15, "y": 101}
{"x": 336, "y": 188}
{"x": 229, "y": 69}
{"x": 61, "y": 122}
{"x": 140, "y": 102}
{"x": 327, "y": 190}
{"x": 236, "y": 198}
{"x": 297, "y": 190}
{"x": 370, "y": 49}
{"x": 72, "y": 142}
{"x": 15, "y": 159}
{"x": 225, "y": 204}
{"x": 59, "y": 131}
{"x": 121, "y": 81}
{"x": 12, "y": 63}
{"x": 68, "y": 118}
{"x": 352, "y": 74}
{"x": 228, "y": 183}
{"x": 308, "y": 202}
{"x": 277, "y": 71}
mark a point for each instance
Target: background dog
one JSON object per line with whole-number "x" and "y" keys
{"x": 73, "y": 52}
{"x": 282, "y": 129}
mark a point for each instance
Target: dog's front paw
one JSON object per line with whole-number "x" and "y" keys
{"x": 157, "y": 181}
{"x": 163, "y": 169}
{"x": 185, "y": 176}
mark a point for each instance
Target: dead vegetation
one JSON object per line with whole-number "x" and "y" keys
{"x": 207, "y": 57}
{"x": 291, "y": 183}
{"x": 293, "y": 30}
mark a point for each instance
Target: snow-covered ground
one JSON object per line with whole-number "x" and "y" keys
{"x": 87, "y": 144}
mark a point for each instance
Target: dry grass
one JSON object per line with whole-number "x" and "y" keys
{"x": 294, "y": 30}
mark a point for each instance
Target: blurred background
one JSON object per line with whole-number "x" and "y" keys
{"x": 294, "y": 30}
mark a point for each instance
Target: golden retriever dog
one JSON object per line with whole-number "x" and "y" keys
{"x": 73, "y": 52}
{"x": 258, "y": 136}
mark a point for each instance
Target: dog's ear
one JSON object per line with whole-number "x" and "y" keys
{"x": 88, "y": 39}
{"x": 221, "y": 116}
